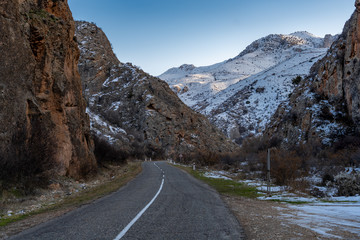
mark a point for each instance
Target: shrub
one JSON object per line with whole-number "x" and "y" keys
{"x": 285, "y": 166}
{"x": 347, "y": 142}
{"x": 260, "y": 90}
{"x": 325, "y": 113}
{"x": 326, "y": 179}
{"x": 254, "y": 145}
{"x": 200, "y": 158}
{"x": 208, "y": 159}
{"x": 230, "y": 159}
{"x": 137, "y": 150}
{"x": 316, "y": 192}
{"x": 27, "y": 162}
{"x": 348, "y": 184}
{"x": 296, "y": 80}
{"x": 106, "y": 152}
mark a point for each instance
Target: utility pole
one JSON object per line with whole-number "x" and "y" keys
{"x": 268, "y": 172}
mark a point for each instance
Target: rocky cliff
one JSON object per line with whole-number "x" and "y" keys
{"x": 42, "y": 110}
{"x": 136, "y": 111}
{"x": 325, "y": 107}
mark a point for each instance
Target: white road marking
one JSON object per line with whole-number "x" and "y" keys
{"x": 124, "y": 231}
{"x": 158, "y": 167}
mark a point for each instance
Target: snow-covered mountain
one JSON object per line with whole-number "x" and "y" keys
{"x": 240, "y": 95}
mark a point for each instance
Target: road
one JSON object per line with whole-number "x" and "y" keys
{"x": 163, "y": 202}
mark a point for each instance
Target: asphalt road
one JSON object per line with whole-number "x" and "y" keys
{"x": 172, "y": 204}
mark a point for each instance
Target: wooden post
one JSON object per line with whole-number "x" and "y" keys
{"x": 268, "y": 172}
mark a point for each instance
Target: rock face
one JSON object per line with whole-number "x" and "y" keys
{"x": 357, "y": 5}
{"x": 329, "y": 40}
{"x": 326, "y": 105}
{"x": 42, "y": 110}
{"x": 136, "y": 111}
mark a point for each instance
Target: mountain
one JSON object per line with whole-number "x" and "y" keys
{"x": 136, "y": 111}
{"x": 44, "y": 126}
{"x": 240, "y": 95}
{"x": 325, "y": 107}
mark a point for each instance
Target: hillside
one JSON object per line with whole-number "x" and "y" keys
{"x": 240, "y": 95}
{"x": 325, "y": 107}
{"x": 136, "y": 111}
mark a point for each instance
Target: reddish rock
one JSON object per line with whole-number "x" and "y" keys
{"x": 42, "y": 108}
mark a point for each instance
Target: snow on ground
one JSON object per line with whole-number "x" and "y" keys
{"x": 331, "y": 217}
{"x": 216, "y": 175}
{"x": 326, "y": 218}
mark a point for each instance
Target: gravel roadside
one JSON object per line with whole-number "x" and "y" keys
{"x": 272, "y": 220}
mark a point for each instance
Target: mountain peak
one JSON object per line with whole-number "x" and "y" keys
{"x": 275, "y": 42}
{"x": 304, "y": 34}
{"x": 187, "y": 67}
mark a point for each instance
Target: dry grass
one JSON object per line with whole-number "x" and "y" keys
{"x": 225, "y": 187}
{"x": 105, "y": 187}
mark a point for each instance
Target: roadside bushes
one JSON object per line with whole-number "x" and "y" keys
{"x": 348, "y": 184}
{"x": 230, "y": 159}
{"x": 290, "y": 166}
{"x": 208, "y": 159}
{"x": 200, "y": 158}
{"x": 106, "y": 152}
{"x": 296, "y": 80}
{"x": 138, "y": 150}
{"x": 26, "y": 163}
{"x": 286, "y": 166}
{"x": 154, "y": 152}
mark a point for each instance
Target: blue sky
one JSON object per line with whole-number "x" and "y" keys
{"x": 159, "y": 34}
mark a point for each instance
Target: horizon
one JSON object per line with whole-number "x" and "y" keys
{"x": 161, "y": 34}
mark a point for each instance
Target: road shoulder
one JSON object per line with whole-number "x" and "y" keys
{"x": 54, "y": 203}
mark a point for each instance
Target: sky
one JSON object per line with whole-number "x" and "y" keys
{"x": 160, "y": 34}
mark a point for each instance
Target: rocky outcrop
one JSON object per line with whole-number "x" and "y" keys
{"x": 357, "y": 5}
{"x": 136, "y": 111}
{"x": 329, "y": 40}
{"x": 326, "y": 105}
{"x": 42, "y": 109}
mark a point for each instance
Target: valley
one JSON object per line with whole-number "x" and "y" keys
{"x": 93, "y": 147}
